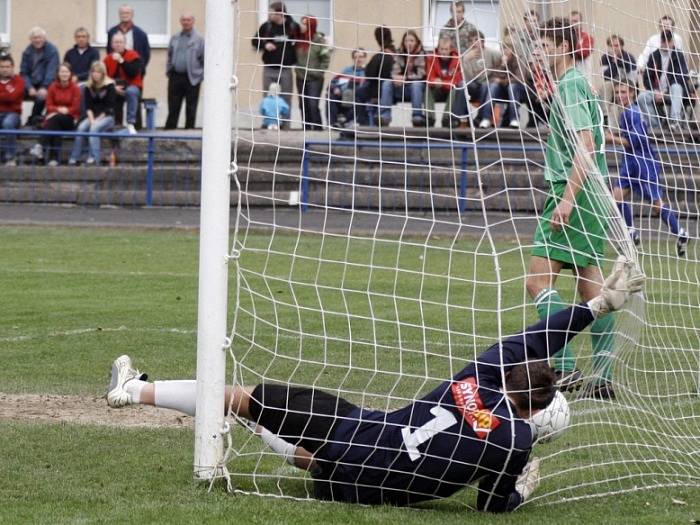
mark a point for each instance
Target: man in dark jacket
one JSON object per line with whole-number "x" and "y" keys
{"x": 81, "y": 56}
{"x": 38, "y": 69}
{"x": 667, "y": 81}
{"x": 136, "y": 38}
{"x": 617, "y": 65}
{"x": 276, "y": 39}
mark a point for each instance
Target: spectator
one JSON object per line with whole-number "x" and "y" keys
{"x": 62, "y": 113}
{"x": 666, "y": 23}
{"x": 11, "y": 97}
{"x": 408, "y": 79}
{"x": 667, "y": 80}
{"x": 273, "y": 108}
{"x": 276, "y": 38}
{"x": 584, "y": 47}
{"x": 347, "y": 95}
{"x": 38, "y": 69}
{"x": 185, "y": 70}
{"x": 445, "y": 84}
{"x": 540, "y": 88}
{"x": 481, "y": 69}
{"x": 100, "y": 98}
{"x": 525, "y": 40}
{"x": 511, "y": 84}
{"x": 617, "y": 65}
{"x": 457, "y": 29}
{"x": 377, "y": 71}
{"x": 81, "y": 56}
{"x": 125, "y": 66}
{"x": 135, "y": 38}
{"x": 313, "y": 58}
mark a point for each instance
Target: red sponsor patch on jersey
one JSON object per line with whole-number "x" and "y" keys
{"x": 468, "y": 402}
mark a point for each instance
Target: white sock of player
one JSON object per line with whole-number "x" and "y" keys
{"x": 276, "y": 443}
{"x": 133, "y": 388}
{"x": 178, "y": 395}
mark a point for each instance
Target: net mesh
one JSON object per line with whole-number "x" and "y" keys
{"x": 376, "y": 259}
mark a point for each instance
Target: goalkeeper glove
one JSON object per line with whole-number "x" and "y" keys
{"x": 623, "y": 281}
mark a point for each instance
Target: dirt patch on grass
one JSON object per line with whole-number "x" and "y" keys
{"x": 86, "y": 410}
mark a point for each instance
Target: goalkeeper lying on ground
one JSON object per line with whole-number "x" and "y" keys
{"x": 472, "y": 428}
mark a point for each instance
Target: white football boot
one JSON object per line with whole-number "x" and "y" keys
{"x": 122, "y": 373}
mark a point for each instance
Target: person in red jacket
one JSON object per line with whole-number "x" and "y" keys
{"x": 584, "y": 47}
{"x": 125, "y": 67}
{"x": 444, "y": 76}
{"x": 11, "y": 97}
{"x": 62, "y": 112}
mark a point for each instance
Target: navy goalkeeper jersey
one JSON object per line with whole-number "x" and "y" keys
{"x": 464, "y": 430}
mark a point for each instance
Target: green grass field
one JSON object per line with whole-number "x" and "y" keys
{"x": 76, "y": 298}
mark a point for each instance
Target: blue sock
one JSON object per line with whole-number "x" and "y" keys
{"x": 626, "y": 211}
{"x": 670, "y": 218}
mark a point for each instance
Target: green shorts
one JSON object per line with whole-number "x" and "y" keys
{"x": 582, "y": 242}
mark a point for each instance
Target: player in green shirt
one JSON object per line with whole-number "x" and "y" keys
{"x": 571, "y": 233}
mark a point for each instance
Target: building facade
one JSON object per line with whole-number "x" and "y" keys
{"x": 348, "y": 24}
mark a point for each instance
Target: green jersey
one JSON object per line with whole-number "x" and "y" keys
{"x": 575, "y": 109}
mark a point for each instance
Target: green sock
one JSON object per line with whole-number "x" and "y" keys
{"x": 549, "y": 302}
{"x": 602, "y": 338}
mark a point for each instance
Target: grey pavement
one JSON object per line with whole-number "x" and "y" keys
{"x": 338, "y": 221}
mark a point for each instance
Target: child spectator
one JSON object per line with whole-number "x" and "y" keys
{"x": 379, "y": 69}
{"x": 408, "y": 79}
{"x": 347, "y": 93}
{"x": 38, "y": 68}
{"x": 540, "y": 88}
{"x": 444, "y": 83}
{"x": 125, "y": 66}
{"x": 100, "y": 99}
{"x": 11, "y": 97}
{"x": 313, "y": 58}
{"x": 274, "y": 108}
{"x": 617, "y": 65}
{"x": 640, "y": 169}
{"x": 512, "y": 84}
{"x": 481, "y": 69}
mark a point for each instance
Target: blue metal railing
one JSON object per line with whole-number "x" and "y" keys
{"x": 150, "y": 137}
{"x": 309, "y": 154}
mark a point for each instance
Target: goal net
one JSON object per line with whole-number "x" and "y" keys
{"x": 379, "y": 251}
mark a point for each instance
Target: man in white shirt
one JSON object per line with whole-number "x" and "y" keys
{"x": 666, "y": 23}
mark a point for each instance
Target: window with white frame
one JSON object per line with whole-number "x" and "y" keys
{"x": 484, "y": 14}
{"x": 321, "y": 9}
{"x": 4, "y": 23}
{"x": 153, "y": 16}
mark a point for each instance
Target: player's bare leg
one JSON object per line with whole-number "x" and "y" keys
{"x": 127, "y": 387}
{"x": 541, "y": 278}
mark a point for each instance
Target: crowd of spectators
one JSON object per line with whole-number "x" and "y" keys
{"x": 480, "y": 85}
{"x": 88, "y": 93}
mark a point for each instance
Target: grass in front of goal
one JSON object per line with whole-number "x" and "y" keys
{"x": 76, "y": 298}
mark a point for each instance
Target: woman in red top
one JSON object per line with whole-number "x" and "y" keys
{"x": 62, "y": 110}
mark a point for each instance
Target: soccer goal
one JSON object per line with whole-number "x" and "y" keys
{"x": 378, "y": 251}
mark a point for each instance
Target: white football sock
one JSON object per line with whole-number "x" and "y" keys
{"x": 178, "y": 395}
{"x": 133, "y": 388}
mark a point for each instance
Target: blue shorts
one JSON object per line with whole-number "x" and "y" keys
{"x": 648, "y": 188}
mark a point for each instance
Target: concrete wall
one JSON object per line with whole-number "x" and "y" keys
{"x": 355, "y": 21}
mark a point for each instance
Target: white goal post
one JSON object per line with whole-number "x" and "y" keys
{"x": 210, "y": 423}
